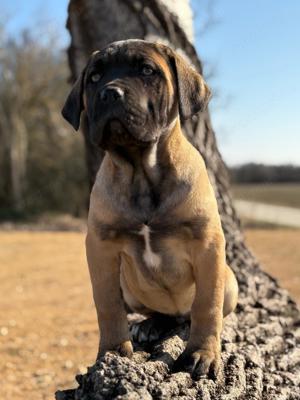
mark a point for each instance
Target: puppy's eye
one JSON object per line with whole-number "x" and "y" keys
{"x": 95, "y": 77}
{"x": 147, "y": 70}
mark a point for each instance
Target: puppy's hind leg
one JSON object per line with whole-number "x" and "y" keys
{"x": 153, "y": 328}
{"x": 231, "y": 292}
{"x": 150, "y": 329}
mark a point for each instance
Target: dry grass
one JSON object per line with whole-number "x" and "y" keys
{"x": 48, "y": 329}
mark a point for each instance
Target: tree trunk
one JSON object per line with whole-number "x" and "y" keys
{"x": 18, "y": 160}
{"x": 14, "y": 147}
{"x": 260, "y": 341}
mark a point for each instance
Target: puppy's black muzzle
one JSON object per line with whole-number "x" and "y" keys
{"x": 116, "y": 103}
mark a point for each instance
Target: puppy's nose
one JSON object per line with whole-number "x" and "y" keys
{"x": 110, "y": 94}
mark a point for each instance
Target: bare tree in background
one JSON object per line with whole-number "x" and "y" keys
{"x": 36, "y": 147}
{"x": 260, "y": 343}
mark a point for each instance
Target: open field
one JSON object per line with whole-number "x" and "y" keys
{"x": 48, "y": 329}
{"x": 284, "y": 194}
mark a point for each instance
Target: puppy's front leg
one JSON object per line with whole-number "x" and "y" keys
{"x": 104, "y": 267}
{"x": 202, "y": 354}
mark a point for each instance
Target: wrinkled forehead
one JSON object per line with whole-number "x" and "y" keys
{"x": 130, "y": 52}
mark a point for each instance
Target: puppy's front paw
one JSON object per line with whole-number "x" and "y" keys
{"x": 198, "y": 363}
{"x": 125, "y": 349}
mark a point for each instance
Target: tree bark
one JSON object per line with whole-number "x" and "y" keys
{"x": 260, "y": 341}
{"x": 14, "y": 152}
{"x": 18, "y": 160}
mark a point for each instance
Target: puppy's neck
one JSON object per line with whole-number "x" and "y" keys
{"x": 148, "y": 161}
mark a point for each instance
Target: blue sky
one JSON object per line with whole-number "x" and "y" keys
{"x": 254, "y": 49}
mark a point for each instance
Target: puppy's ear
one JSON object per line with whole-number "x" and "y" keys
{"x": 74, "y": 103}
{"x": 193, "y": 92}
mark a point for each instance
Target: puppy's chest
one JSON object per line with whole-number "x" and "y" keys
{"x": 157, "y": 247}
{"x": 153, "y": 230}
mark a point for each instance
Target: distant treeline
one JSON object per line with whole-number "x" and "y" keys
{"x": 261, "y": 173}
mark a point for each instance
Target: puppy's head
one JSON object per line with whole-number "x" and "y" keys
{"x": 132, "y": 91}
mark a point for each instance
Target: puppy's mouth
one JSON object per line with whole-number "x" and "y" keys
{"x": 115, "y": 133}
{"x": 115, "y": 127}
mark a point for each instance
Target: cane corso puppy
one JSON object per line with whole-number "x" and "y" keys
{"x": 155, "y": 244}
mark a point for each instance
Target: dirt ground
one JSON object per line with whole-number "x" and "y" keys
{"x": 48, "y": 329}
{"x": 278, "y": 251}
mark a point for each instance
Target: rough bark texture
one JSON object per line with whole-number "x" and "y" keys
{"x": 261, "y": 340}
